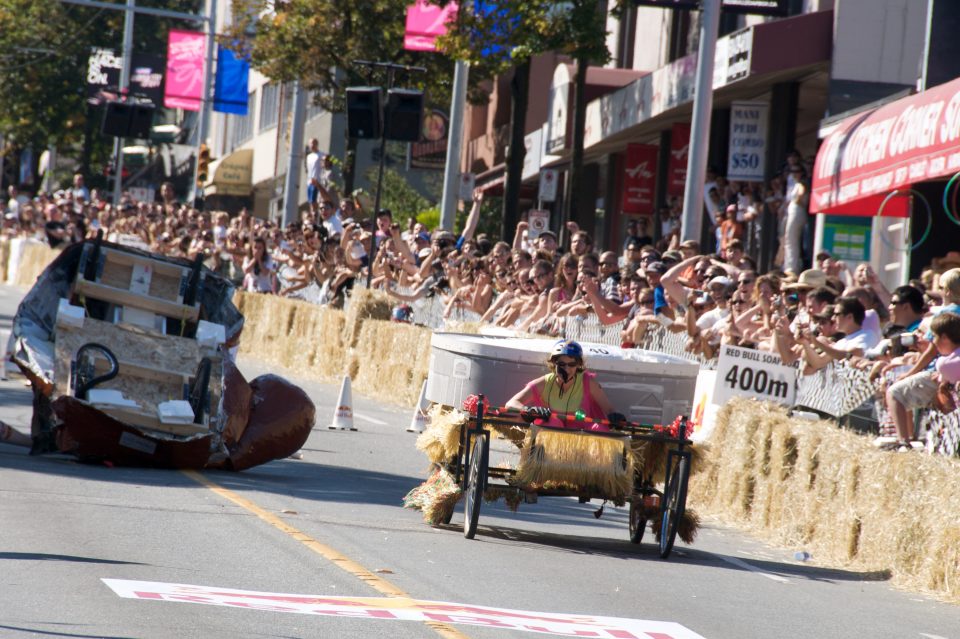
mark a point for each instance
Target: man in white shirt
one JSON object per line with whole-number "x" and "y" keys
{"x": 848, "y": 313}
{"x": 314, "y": 168}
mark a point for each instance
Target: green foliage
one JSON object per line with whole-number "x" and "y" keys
{"x": 430, "y": 218}
{"x": 317, "y": 42}
{"x": 398, "y": 195}
{"x": 526, "y": 28}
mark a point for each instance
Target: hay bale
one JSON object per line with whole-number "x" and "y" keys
{"x": 4, "y": 259}
{"x": 392, "y": 360}
{"x": 304, "y": 338}
{"x": 365, "y": 304}
{"x": 813, "y": 486}
{"x": 34, "y": 258}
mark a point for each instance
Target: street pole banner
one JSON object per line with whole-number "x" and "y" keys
{"x": 468, "y": 181}
{"x": 405, "y": 609}
{"x": 677, "y": 167}
{"x": 639, "y": 179}
{"x": 146, "y": 77}
{"x": 425, "y": 23}
{"x": 230, "y": 84}
{"x": 744, "y": 372}
{"x": 103, "y": 76}
{"x": 185, "y": 59}
{"x": 748, "y": 141}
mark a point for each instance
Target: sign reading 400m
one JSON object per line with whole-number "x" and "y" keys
{"x": 744, "y": 372}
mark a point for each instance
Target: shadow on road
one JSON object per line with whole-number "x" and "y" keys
{"x": 42, "y": 556}
{"x": 647, "y": 550}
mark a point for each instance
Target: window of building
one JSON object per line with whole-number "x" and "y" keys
{"x": 269, "y": 105}
{"x": 242, "y": 125}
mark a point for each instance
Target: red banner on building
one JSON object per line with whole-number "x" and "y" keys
{"x": 639, "y": 179}
{"x": 679, "y": 150}
{"x": 869, "y": 155}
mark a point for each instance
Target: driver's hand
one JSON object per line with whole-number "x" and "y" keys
{"x": 533, "y": 413}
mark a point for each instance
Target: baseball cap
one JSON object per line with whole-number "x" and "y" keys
{"x": 548, "y": 232}
{"x": 423, "y": 236}
{"x": 656, "y": 267}
{"x": 721, "y": 280}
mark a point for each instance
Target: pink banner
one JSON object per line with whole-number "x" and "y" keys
{"x": 185, "y": 56}
{"x": 677, "y": 167}
{"x": 425, "y": 22}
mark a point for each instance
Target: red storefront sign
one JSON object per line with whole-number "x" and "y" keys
{"x": 679, "y": 149}
{"x": 870, "y": 155}
{"x": 639, "y": 179}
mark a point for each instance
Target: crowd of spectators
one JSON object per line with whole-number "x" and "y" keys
{"x": 710, "y": 296}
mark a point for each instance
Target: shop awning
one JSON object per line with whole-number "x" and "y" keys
{"x": 232, "y": 175}
{"x": 872, "y": 154}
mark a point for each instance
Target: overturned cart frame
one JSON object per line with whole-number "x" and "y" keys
{"x": 471, "y": 469}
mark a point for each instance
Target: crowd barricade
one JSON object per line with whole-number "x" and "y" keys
{"x": 836, "y": 390}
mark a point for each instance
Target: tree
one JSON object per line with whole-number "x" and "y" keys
{"x": 317, "y": 42}
{"x": 503, "y": 37}
{"x": 44, "y": 47}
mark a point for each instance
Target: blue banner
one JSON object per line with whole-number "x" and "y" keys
{"x": 230, "y": 84}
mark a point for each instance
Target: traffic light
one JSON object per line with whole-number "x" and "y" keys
{"x": 203, "y": 164}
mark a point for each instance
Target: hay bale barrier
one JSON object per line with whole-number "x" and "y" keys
{"x": 811, "y": 486}
{"x": 303, "y": 338}
{"x": 35, "y": 257}
{"x": 391, "y": 360}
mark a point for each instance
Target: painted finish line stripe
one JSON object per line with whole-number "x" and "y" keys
{"x": 332, "y": 555}
{"x": 372, "y": 420}
{"x": 404, "y": 609}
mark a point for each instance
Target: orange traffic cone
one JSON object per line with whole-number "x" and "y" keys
{"x": 420, "y": 418}
{"x": 343, "y": 415}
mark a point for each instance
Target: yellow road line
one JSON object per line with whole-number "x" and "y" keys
{"x": 332, "y": 555}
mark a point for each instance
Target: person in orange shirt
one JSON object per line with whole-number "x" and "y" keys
{"x": 730, "y": 228}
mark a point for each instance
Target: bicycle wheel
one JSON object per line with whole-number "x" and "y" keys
{"x": 638, "y": 521}
{"x": 476, "y": 483}
{"x": 674, "y": 502}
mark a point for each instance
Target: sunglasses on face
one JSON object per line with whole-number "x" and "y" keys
{"x": 566, "y": 363}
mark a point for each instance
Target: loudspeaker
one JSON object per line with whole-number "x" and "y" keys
{"x": 141, "y": 120}
{"x": 124, "y": 120}
{"x": 116, "y": 119}
{"x": 363, "y": 112}
{"x": 403, "y": 116}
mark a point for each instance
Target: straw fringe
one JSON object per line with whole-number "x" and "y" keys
{"x": 578, "y": 460}
{"x": 440, "y": 440}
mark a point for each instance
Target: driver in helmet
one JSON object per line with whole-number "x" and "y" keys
{"x": 567, "y": 389}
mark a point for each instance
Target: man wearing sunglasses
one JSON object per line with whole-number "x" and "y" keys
{"x": 566, "y": 390}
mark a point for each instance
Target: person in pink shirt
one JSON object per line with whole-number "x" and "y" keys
{"x": 566, "y": 390}
{"x": 946, "y": 337}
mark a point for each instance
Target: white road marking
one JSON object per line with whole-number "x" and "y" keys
{"x": 742, "y": 564}
{"x": 367, "y": 418}
{"x": 923, "y": 634}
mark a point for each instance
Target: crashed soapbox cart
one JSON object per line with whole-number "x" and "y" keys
{"x": 126, "y": 352}
{"x": 643, "y": 465}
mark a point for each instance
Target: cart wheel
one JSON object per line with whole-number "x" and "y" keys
{"x": 637, "y": 521}
{"x": 674, "y": 502}
{"x": 476, "y": 483}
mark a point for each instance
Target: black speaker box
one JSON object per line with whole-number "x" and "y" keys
{"x": 116, "y": 119}
{"x": 124, "y": 120}
{"x": 403, "y": 116}
{"x": 141, "y": 120}
{"x": 363, "y": 112}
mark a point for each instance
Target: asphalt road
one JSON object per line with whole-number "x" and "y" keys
{"x": 332, "y": 525}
